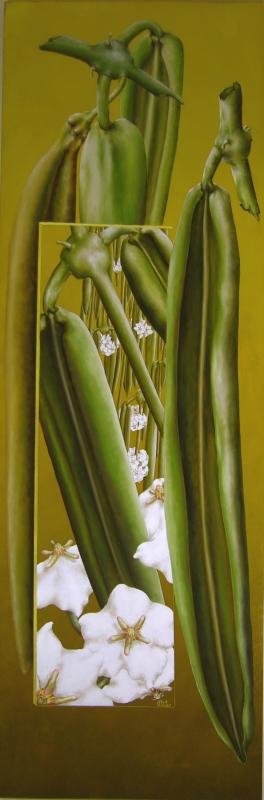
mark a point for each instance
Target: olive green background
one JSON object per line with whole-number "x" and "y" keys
{"x": 166, "y": 754}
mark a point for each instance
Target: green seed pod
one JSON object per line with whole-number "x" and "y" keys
{"x": 90, "y": 458}
{"x": 21, "y": 386}
{"x": 159, "y": 265}
{"x": 113, "y": 175}
{"x": 157, "y": 117}
{"x": 145, "y": 285}
{"x": 63, "y": 200}
{"x": 203, "y": 474}
{"x": 162, "y": 241}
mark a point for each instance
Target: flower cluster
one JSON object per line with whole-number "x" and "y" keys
{"x": 127, "y": 654}
{"x": 107, "y": 346}
{"x": 138, "y": 420}
{"x": 155, "y": 552}
{"x": 138, "y": 461}
{"x": 143, "y": 329}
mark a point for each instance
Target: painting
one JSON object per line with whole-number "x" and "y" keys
{"x": 132, "y": 288}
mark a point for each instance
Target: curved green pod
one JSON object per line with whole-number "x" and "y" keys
{"x": 63, "y": 200}
{"x": 204, "y": 508}
{"x": 90, "y": 432}
{"x": 159, "y": 265}
{"x": 225, "y": 404}
{"x": 73, "y": 462}
{"x": 69, "y": 467}
{"x": 113, "y": 175}
{"x": 21, "y": 314}
{"x": 157, "y": 117}
{"x": 162, "y": 242}
{"x": 145, "y": 285}
{"x": 142, "y": 53}
{"x": 172, "y": 57}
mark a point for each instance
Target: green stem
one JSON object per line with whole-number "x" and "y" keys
{"x": 75, "y": 622}
{"x": 54, "y": 286}
{"x": 138, "y": 27}
{"x": 210, "y": 167}
{"x": 113, "y": 232}
{"x": 103, "y": 89}
{"x": 127, "y": 426}
{"x": 231, "y": 109}
{"x": 81, "y": 122}
{"x": 118, "y": 318}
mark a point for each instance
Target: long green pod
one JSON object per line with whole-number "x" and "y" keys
{"x": 70, "y": 452}
{"x": 129, "y": 102}
{"x": 173, "y": 59}
{"x": 20, "y": 386}
{"x": 199, "y": 555}
{"x": 152, "y": 108}
{"x": 101, "y": 424}
{"x": 139, "y": 107}
{"x": 161, "y": 240}
{"x": 225, "y": 404}
{"x": 145, "y": 285}
{"x": 158, "y": 263}
{"x": 63, "y": 200}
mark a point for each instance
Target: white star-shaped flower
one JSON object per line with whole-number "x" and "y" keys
{"x": 138, "y": 461}
{"x": 62, "y": 580}
{"x": 67, "y": 677}
{"x": 138, "y": 420}
{"x": 143, "y": 329}
{"x": 135, "y": 639}
{"x": 107, "y": 346}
